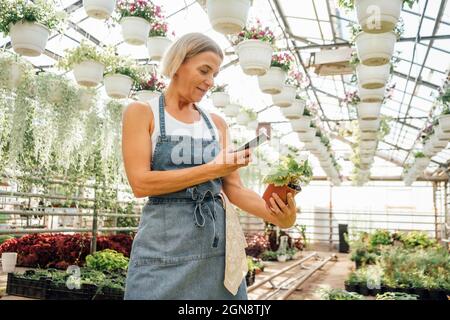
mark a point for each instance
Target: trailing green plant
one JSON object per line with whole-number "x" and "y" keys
{"x": 419, "y": 155}
{"x": 38, "y": 11}
{"x": 338, "y": 294}
{"x": 290, "y": 172}
{"x": 84, "y": 52}
{"x": 396, "y": 296}
{"x": 121, "y": 65}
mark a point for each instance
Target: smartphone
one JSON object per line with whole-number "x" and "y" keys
{"x": 260, "y": 139}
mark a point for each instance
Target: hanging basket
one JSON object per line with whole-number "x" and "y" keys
{"x": 441, "y": 134}
{"x": 89, "y": 73}
{"x": 146, "y": 95}
{"x": 242, "y": 119}
{"x": 368, "y": 111}
{"x": 254, "y": 57}
{"x": 378, "y": 16}
{"x": 438, "y": 143}
{"x": 157, "y": 46}
{"x": 307, "y": 136}
{"x": 29, "y": 38}
{"x": 302, "y": 124}
{"x": 99, "y": 9}
{"x": 220, "y": 99}
{"x": 55, "y": 92}
{"x": 253, "y": 125}
{"x": 375, "y": 49}
{"x": 287, "y": 96}
{"x": 368, "y": 145}
{"x": 373, "y": 77}
{"x": 422, "y": 163}
{"x": 272, "y": 82}
{"x": 229, "y": 16}
{"x": 444, "y": 122}
{"x": 371, "y": 95}
{"x": 231, "y": 110}
{"x": 118, "y": 86}
{"x": 369, "y": 136}
{"x": 369, "y": 125}
{"x": 295, "y": 111}
{"x": 135, "y": 30}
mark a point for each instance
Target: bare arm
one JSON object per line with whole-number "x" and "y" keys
{"x": 138, "y": 125}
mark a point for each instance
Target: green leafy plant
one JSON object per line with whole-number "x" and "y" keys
{"x": 84, "y": 52}
{"x": 38, "y": 11}
{"x": 282, "y": 60}
{"x": 396, "y": 296}
{"x": 338, "y": 294}
{"x": 120, "y": 65}
{"x": 107, "y": 260}
{"x": 290, "y": 172}
{"x": 419, "y": 154}
{"x": 252, "y": 115}
{"x": 307, "y": 112}
{"x": 350, "y": 4}
{"x": 219, "y": 88}
{"x": 444, "y": 97}
{"x": 144, "y": 9}
{"x": 380, "y": 237}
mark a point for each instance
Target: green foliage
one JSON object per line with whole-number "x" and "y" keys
{"x": 84, "y": 52}
{"x": 290, "y": 172}
{"x": 380, "y": 237}
{"x": 444, "y": 97}
{"x": 38, "y": 11}
{"x": 219, "y": 88}
{"x": 338, "y": 294}
{"x": 350, "y": 4}
{"x": 419, "y": 154}
{"x": 121, "y": 65}
{"x": 396, "y": 296}
{"x": 307, "y": 112}
{"x": 107, "y": 260}
{"x": 417, "y": 239}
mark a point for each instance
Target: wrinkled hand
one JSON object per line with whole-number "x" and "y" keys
{"x": 285, "y": 215}
{"x": 228, "y": 161}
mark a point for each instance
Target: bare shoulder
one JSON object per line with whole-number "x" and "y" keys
{"x": 220, "y": 123}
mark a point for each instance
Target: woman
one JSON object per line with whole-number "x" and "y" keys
{"x": 177, "y": 155}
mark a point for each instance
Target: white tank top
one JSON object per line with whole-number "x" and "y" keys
{"x": 198, "y": 129}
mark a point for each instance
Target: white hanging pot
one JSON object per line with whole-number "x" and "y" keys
{"x": 254, "y": 56}
{"x": 29, "y": 38}
{"x": 310, "y": 146}
{"x": 368, "y": 145}
{"x": 378, "y": 16}
{"x": 368, "y": 111}
{"x": 9, "y": 261}
{"x": 253, "y": 125}
{"x": 307, "y": 136}
{"x": 375, "y": 49}
{"x": 422, "y": 163}
{"x": 99, "y": 9}
{"x": 302, "y": 124}
{"x": 220, "y": 99}
{"x": 441, "y": 134}
{"x": 444, "y": 122}
{"x": 318, "y": 144}
{"x": 229, "y": 16}
{"x": 371, "y": 95}
{"x": 368, "y": 136}
{"x": 157, "y": 46}
{"x": 118, "y": 86}
{"x": 438, "y": 143}
{"x": 231, "y": 110}
{"x": 272, "y": 82}
{"x": 242, "y": 118}
{"x": 147, "y": 95}
{"x": 286, "y": 97}
{"x": 135, "y": 30}
{"x": 295, "y": 111}
{"x": 89, "y": 73}
{"x": 373, "y": 77}
{"x": 369, "y": 125}
{"x": 428, "y": 150}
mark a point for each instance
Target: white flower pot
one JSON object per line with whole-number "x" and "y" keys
{"x": 146, "y": 95}
{"x": 444, "y": 122}
{"x": 231, "y": 110}
{"x": 378, "y": 16}
{"x": 229, "y": 16}
{"x": 441, "y": 134}
{"x": 9, "y": 261}
{"x": 373, "y": 77}
{"x": 272, "y": 82}
{"x": 282, "y": 258}
{"x": 368, "y": 145}
{"x": 422, "y": 163}
{"x": 254, "y": 57}
{"x": 307, "y": 136}
{"x": 99, "y": 9}
{"x": 371, "y": 95}
{"x": 368, "y": 136}
{"x": 286, "y": 97}
{"x": 253, "y": 125}
{"x": 135, "y": 30}
{"x": 89, "y": 73}
{"x": 428, "y": 150}
{"x": 157, "y": 46}
{"x": 302, "y": 124}
{"x": 368, "y": 111}
{"x": 118, "y": 86}
{"x": 295, "y": 111}
{"x": 220, "y": 99}
{"x": 29, "y": 39}
{"x": 438, "y": 143}
{"x": 369, "y": 125}
{"x": 375, "y": 49}
{"x": 242, "y": 119}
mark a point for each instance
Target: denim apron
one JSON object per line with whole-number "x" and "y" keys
{"x": 179, "y": 249}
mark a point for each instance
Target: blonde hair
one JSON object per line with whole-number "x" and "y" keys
{"x": 186, "y": 47}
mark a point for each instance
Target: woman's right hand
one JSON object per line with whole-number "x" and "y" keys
{"x": 228, "y": 161}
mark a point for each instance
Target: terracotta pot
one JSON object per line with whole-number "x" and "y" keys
{"x": 281, "y": 191}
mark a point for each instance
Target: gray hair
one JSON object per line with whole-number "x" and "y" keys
{"x": 186, "y": 47}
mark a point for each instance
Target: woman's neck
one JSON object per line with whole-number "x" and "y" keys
{"x": 175, "y": 100}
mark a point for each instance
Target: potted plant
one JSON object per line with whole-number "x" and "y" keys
{"x": 421, "y": 160}
{"x": 158, "y": 41}
{"x": 373, "y": 77}
{"x": 13, "y": 70}
{"x": 148, "y": 88}
{"x": 272, "y": 82}
{"x": 254, "y": 49}
{"x": 51, "y": 87}
{"x": 287, "y": 177}
{"x": 369, "y": 125}
{"x": 375, "y": 49}
{"x": 228, "y": 17}
{"x": 29, "y": 24}
{"x": 120, "y": 74}
{"x": 135, "y": 18}
{"x": 309, "y": 135}
{"x": 231, "y": 110}
{"x": 99, "y": 9}
{"x": 245, "y": 116}
{"x": 371, "y": 95}
{"x": 87, "y": 62}
{"x": 289, "y": 91}
{"x": 302, "y": 124}
{"x": 368, "y": 110}
{"x": 444, "y": 118}
{"x": 295, "y": 111}
{"x": 220, "y": 98}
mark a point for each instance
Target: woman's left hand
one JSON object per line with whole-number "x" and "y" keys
{"x": 285, "y": 215}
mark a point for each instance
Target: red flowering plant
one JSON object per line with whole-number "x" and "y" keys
{"x": 152, "y": 83}
{"x": 159, "y": 27}
{"x": 256, "y": 32}
{"x": 283, "y": 60}
{"x": 297, "y": 79}
{"x": 139, "y": 8}
{"x": 257, "y": 244}
{"x": 352, "y": 98}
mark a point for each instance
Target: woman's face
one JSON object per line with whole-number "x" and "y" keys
{"x": 196, "y": 75}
